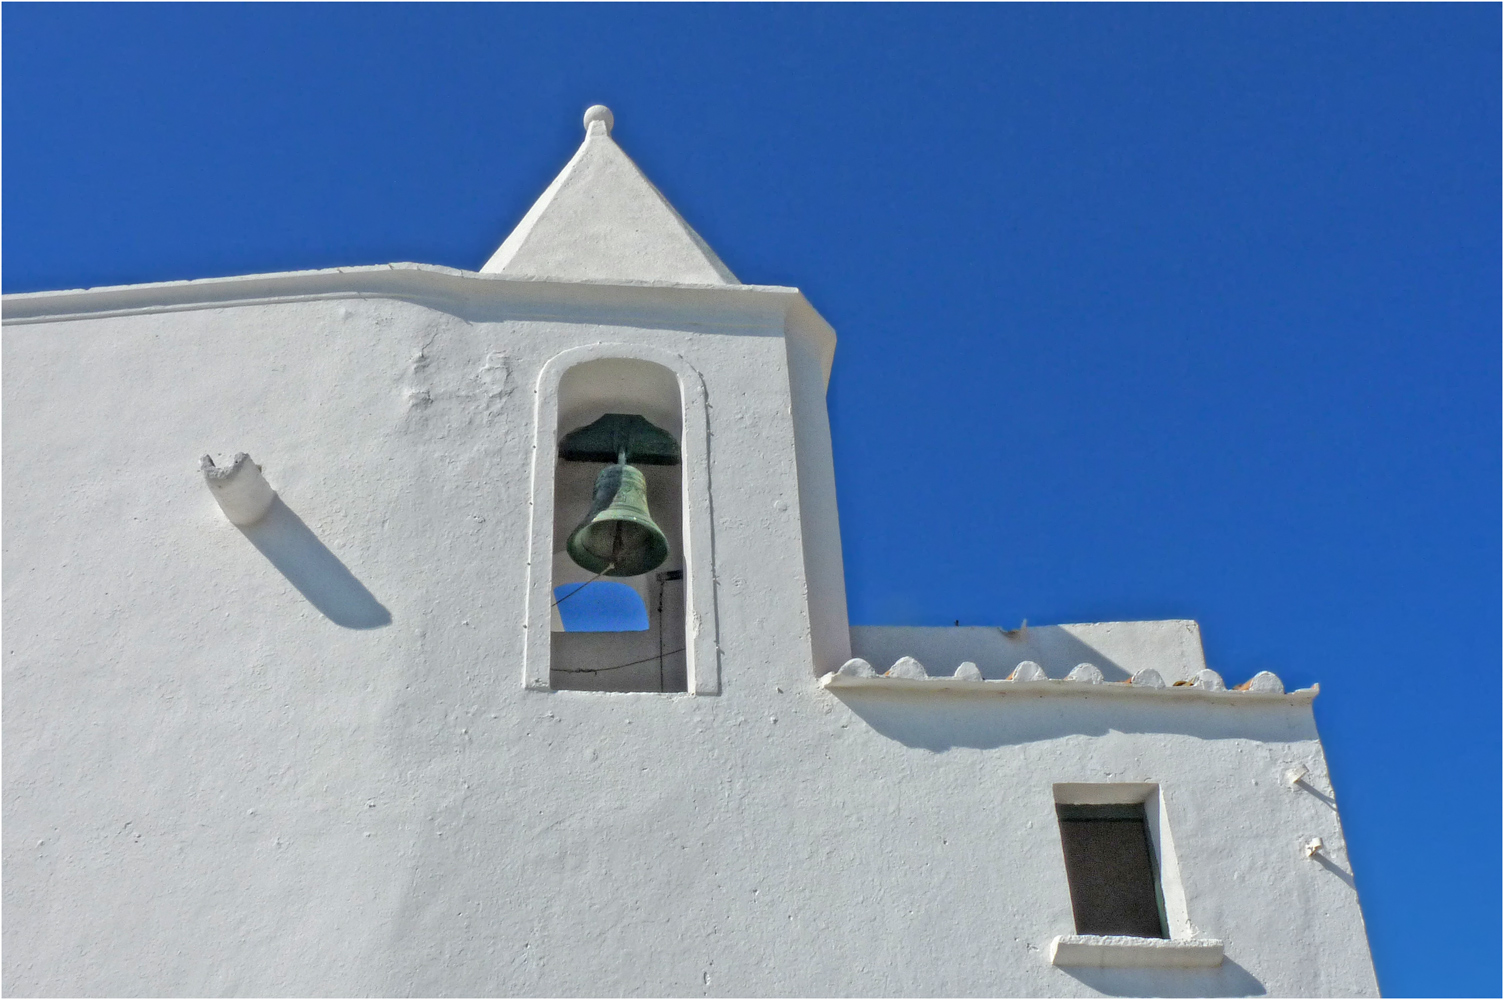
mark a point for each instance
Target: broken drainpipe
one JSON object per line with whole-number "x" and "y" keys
{"x": 240, "y": 490}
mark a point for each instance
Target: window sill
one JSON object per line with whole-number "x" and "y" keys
{"x": 1101, "y": 952}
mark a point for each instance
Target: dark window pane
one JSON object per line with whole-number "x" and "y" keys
{"x": 1111, "y": 870}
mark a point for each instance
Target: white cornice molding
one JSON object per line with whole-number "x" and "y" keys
{"x": 732, "y": 304}
{"x": 755, "y": 309}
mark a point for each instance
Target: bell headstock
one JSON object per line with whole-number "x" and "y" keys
{"x": 618, "y": 434}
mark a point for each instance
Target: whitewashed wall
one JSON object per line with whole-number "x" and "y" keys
{"x": 213, "y": 784}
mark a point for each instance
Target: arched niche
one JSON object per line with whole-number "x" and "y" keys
{"x": 677, "y": 653}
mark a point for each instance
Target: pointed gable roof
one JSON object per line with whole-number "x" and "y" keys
{"x": 603, "y": 220}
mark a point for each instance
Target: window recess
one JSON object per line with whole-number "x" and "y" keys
{"x": 1124, "y": 879}
{"x": 1109, "y": 861}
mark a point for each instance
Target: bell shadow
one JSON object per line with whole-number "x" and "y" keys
{"x": 317, "y": 573}
{"x": 1227, "y": 980}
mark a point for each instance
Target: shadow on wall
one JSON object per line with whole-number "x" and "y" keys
{"x": 1315, "y": 792}
{"x": 943, "y": 720}
{"x": 1336, "y": 869}
{"x": 1228, "y": 980}
{"x": 296, "y": 551}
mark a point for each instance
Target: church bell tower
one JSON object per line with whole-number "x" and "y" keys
{"x": 399, "y": 630}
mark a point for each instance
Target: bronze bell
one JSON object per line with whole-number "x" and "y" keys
{"x": 618, "y": 536}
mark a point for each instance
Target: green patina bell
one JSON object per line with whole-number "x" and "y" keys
{"x": 618, "y": 536}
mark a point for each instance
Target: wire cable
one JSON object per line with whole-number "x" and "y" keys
{"x": 601, "y": 670}
{"x": 561, "y": 600}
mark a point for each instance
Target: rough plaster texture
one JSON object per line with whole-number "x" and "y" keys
{"x": 301, "y": 756}
{"x": 212, "y": 786}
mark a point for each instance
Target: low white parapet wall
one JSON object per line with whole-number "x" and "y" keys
{"x": 1117, "y": 649}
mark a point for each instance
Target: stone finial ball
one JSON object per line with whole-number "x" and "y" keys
{"x": 599, "y": 113}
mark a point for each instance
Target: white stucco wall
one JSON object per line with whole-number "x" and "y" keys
{"x": 216, "y": 782}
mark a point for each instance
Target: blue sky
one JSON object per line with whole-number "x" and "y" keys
{"x": 1145, "y": 312}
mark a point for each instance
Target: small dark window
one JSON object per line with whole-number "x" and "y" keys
{"x": 1109, "y": 861}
